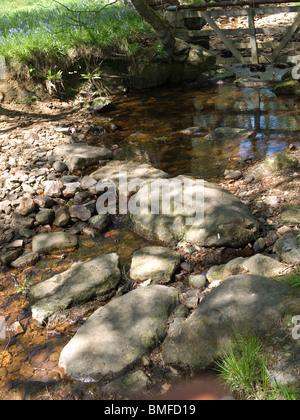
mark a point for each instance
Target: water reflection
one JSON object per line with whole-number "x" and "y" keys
{"x": 163, "y": 114}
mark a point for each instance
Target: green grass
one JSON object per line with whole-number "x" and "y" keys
{"x": 244, "y": 370}
{"x": 41, "y": 28}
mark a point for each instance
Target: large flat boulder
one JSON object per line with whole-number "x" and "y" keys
{"x": 155, "y": 263}
{"x": 259, "y": 264}
{"x": 132, "y": 170}
{"x": 82, "y": 282}
{"x": 217, "y": 219}
{"x": 240, "y": 303}
{"x": 117, "y": 335}
{"x": 80, "y": 155}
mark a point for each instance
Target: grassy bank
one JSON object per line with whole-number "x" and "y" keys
{"x": 40, "y": 31}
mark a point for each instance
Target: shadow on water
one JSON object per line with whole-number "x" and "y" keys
{"x": 151, "y": 123}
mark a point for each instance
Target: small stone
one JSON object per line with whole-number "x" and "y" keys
{"x": 19, "y": 243}
{"x": 8, "y": 257}
{"x": 100, "y": 221}
{"x": 80, "y": 213}
{"x": 44, "y": 202}
{"x": 22, "y": 223}
{"x": 59, "y": 166}
{"x": 28, "y": 189}
{"x": 197, "y": 281}
{"x": 54, "y": 188}
{"x": 15, "y": 329}
{"x": 87, "y": 182}
{"x": 62, "y": 217}
{"x": 26, "y": 207}
{"x": 185, "y": 266}
{"x": 233, "y": 174}
{"x": 259, "y": 245}
{"x": 26, "y": 233}
{"x": 71, "y": 189}
{"x": 26, "y": 260}
{"x": 272, "y": 201}
{"x": 249, "y": 178}
{"x": 45, "y": 217}
{"x": 192, "y": 302}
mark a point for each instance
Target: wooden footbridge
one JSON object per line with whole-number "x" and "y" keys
{"x": 190, "y": 22}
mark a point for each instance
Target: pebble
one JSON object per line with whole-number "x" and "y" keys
{"x": 197, "y": 280}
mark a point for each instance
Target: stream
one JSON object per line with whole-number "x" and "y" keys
{"x": 149, "y": 131}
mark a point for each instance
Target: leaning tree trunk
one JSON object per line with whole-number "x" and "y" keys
{"x": 159, "y": 24}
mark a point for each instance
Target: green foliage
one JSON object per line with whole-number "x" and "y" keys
{"x": 52, "y": 29}
{"x": 54, "y": 77}
{"x": 25, "y": 286}
{"x": 244, "y": 369}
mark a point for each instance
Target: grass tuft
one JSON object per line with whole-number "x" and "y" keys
{"x": 244, "y": 370}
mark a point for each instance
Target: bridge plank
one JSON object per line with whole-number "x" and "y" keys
{"x": 254, "y": 53}
{"x": 290, "y": 32}
{"x": 224, "y": 39}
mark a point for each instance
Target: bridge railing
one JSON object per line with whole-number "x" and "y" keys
{"x": 188, "y": 21}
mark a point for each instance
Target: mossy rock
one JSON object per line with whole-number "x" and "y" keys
{"x": 291, "y": 214}
{"x": 288, "y": 87}
{"x": 274, "y": 163}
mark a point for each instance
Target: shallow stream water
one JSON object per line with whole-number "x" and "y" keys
{"x": 149, "y": 130}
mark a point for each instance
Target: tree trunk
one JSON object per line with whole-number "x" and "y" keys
{"x": 161, "y": 26}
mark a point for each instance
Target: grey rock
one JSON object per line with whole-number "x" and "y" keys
{"x": 53, "y": 188}
{"x": 26, "y": 260}
{"x": 45, "y": 217}
{"x": 48, "y": 242}
{"x": 241, "y": 302}
{"x": 100, "y": 221}
{"x": 133, "y": 170}
{"x": 26, "y": 207}
{"x": 197, "y": 280}
{"x": 8, "y": 257}
{"x": 131, "y": 385}
{"x": 272, "y": 164}
{"x": 60, "y": 166}
{"x": 290, "y": 214}
{"x": 258, "y": 264}
{"x": 22, "y": 222}
{"x": 26, "y": 233}
{"x": 80, "y": 213}
{"x": 87, "y": 182}
{"x": 233, "y": 174}
{"x": 287, "y": 248}
{"x": 101, "y": 104}
{"x": 70, "y": 189}
{"x": 80, "y": 155}
{"x": 259, "y": 245}
{"x": 119, "y": 334}
{"x": 82, "y": 282}
{"x": 44, "y": 202}
{"x": 229, "y": 133}
{"x": 155, "y": 263}
{"x": 249, "y": 81}
{"x": 220, "y": 219}
{"x": 62, "y": 217}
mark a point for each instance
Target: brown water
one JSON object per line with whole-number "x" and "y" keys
{"x": 151, "y": 123}
{"x": 150, "y": 126}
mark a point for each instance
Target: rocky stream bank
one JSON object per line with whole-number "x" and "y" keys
{"x": 169, "y": 310}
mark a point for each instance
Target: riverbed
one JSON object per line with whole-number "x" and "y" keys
{"x": 148, "y": 129}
